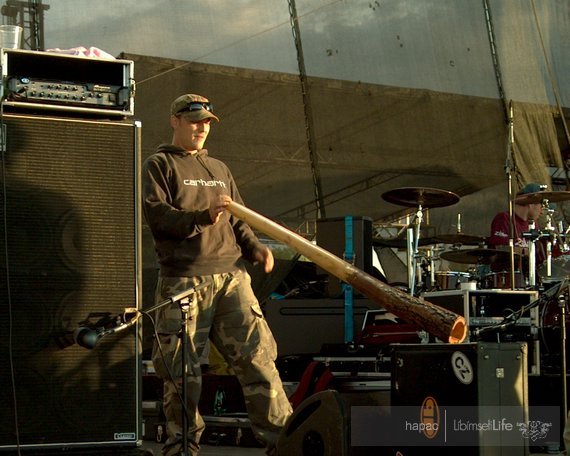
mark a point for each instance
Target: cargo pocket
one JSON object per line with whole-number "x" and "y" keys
{"x": 267, "y": 345}
{"x": 165, "y": 357}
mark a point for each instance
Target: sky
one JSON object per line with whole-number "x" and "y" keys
{"x": 440, "y": 45}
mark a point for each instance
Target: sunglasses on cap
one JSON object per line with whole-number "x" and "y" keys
{"x": 196, "y": 106}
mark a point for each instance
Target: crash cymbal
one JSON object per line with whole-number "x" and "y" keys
{"x": 416, "y": 196}
{"x": 460, "y": 238}
{"x": 539, "y": 197}
{"x": 400, "y": 242}
{"x": 476, "y": 256}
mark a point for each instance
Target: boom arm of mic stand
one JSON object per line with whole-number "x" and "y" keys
{"x": 179, "y": 296}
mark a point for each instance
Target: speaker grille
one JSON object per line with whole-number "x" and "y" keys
{"x": 68, "y": 252}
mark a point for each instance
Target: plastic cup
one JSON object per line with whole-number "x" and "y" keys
{"x": 10, "y": 36}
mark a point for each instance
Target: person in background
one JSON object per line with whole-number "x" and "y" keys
{"x": 500, "y": 233}
{"x": 185, "y": 195}
{"x": 523, "y": 214}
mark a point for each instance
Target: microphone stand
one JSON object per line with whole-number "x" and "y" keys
{"x": 184, "y": 304}
{"x": 563, "y": 379}
{"x": 509, "y": 168}
{"x": 550, "y": 239}
{"x": 413, "y": 240}
{"x": 532, "y": 257}
{"x": 184, "y": 308}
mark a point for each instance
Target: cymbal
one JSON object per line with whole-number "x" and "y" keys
{"x": 560, "y": 268}
{"x": 400, "y": 242}
{"x": 460, "y": 238}
{"x": 539, "y": 197}
{"x": 416, "y": 196}
{"x": 476, "y": 256}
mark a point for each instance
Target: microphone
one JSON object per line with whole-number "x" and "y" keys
{"x": 88, "y": 336}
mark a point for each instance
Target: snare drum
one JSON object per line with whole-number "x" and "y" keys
{"x": 502, "y": 280}
{"x": 450, "y": 280}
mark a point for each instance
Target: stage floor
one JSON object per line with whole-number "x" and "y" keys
{"x": 210, "y": 450}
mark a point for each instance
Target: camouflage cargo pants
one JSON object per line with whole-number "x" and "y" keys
{"x": 228, "y": 313}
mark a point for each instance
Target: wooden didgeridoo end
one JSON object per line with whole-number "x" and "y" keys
{"x": 442, "y": 323}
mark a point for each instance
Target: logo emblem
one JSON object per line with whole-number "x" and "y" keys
{"x": 462, "y": 367}
{"x": 429, "y": 417}
{"x": 534, "y": 430}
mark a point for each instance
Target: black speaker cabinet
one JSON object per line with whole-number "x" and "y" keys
{"x": 463, "y": 386}
{"x": 69, "y": 257}
{"x": 292, "y": 320}
{"x": 332, "y": 236}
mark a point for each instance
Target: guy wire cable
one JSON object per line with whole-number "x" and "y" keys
{"x": 495, "y": 57}
{"x": 510, "y": 162}
{"x": 307, "y": 107}
{"x": 229, "y": 45}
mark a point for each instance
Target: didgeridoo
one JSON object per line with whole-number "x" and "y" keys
{"x": 441, "y": 323}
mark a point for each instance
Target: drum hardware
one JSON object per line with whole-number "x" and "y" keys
{"x": 460, "y": 239}
{"x": 476, "y": 256}
{"x": 430, "y": 278}
{"x": 560, "y": 269}
{"x": 562, "y": 308}
{"x": 531, "y": 256}
{"x": 542, "y": 197}
{"x": 422, "y": 265}
{"x": 400, "y": 242}
{"x": 502, "y": 280}
{"x": 563, "y": 236}
{"x": 450, "y": 280}
{"x": 550, "y": 233}
{"x": 421, "y": 198}
{"x": 425, "y": 263}
{"x": 429, "y": 268}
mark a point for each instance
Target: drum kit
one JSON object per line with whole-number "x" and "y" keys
{"x": 480, "y": 259}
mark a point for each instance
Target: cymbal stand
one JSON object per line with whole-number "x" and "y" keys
{"x": 413, "y": 240}
{"x": 549, "y": 228}
{"x": 431, "y": 268}
{"x": 563, "y": 373}
{"x": 531, "y": 258}
{"x": 410, "y": 260}
{"x": 563, "y": 237}
{"x": 510, "y": 169}
{"x": 426, "y": 271}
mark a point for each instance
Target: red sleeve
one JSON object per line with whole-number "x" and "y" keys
{"x": 500, "y": 230}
